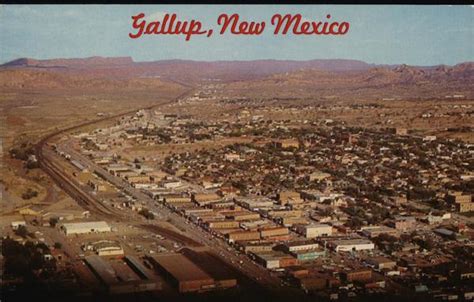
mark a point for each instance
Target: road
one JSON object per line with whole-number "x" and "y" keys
{"x": 48, "y": 161}
{"x": 219, "y": 246}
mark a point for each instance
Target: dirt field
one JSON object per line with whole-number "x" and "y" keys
{"x": 29, "y": 114}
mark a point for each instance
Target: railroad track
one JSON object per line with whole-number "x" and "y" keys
{"x": 74, "y": 190}
{"x": 65, "y": 182}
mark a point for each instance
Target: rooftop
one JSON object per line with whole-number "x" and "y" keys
{"x": 181, "y": 267}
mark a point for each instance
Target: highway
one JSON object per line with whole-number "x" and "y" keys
{"x": 219, "y": 246}
{"x": 48, "y": 161}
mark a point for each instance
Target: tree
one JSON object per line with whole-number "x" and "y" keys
{"x": 21, "y": 231}
{"x": 53, "y": 221}
{"x": 29, "y": 193}
{"x": 26, "y": 260}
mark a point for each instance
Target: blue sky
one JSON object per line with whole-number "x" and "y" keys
{"x": 415, "y": 35}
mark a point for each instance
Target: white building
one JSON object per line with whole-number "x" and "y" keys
{"x": 85, "y": 227}
{"x": 172, "y": 184}
{"x": 348, "y": 245}
{"x": 105, "y": 248}
{"x": 315, "y": 230}
{"x": 297, "y": 246}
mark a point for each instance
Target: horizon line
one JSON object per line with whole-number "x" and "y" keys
{"x": 236, "y": 60}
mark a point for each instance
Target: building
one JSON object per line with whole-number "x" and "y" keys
{"x": 465, "y": 207}
{"x": 114, "y": 283}
{"x": 275, "y": 260}
{"x": 288, "y": 143}
{"x": 243, "y": 235}
{"x": 183, "y": 273}
{"x": 204, "y": 199}
{"x": 298, "y": 271}
{"x": 138, "y": 268}
{"x": 312, "y": 283}
{"x": 105, "y": 248}
{"x": 308, "y": 255}
{"x": 172, "y": 184}
{"x": 242, "y": 215}
{"x": 255, "y": 204}
{"x": 382, "y": 262}
{"x": 401, "y": 131}
{"x": 348, "y": 245}
{"x": 136, "y": 179}
{"x": 375, "y": 231}
{"x": 284, "y": 213}
{"x": 85, "y": 227}
{"x": 358, "y": 275}
{"x": 403, "y": 223}
{"x": 255, "y": 246}
{"x": 297, "y": 246}
{"x": 292, "y": 221}
{"x": 458, "y": 197}
{"x": 276, "y": 231}
{"x": 64, "y": 215}
{"x": 315, "y": 230}
{"x": 223, "y": 278}
{"x": 319, "y": 176}
{"x": 231, "y": 156}
{"x": 222, "y": 224}
{"x": 289, "y": 198}
{"x": 462, "y": 202}
{"x": 445, "y": 233}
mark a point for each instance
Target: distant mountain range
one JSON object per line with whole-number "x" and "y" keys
{"x": 312, "y": 74}
{"x": 184, "y": 70}
{"x": 398, "y": 82}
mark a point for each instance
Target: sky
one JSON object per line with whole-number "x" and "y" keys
{"x": 414, "y": 35}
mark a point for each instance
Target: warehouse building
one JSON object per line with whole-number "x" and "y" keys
{"x": 315, "y": 230}
{"x": 243, "y": 235}
{"x": 382, "y": 262}
{"x": 85, "y": 227}
{"x": 222, "y": 224}
{"x": 64, "y": 215}
{"x": 255, "y": 246}
{"x": 114, "y": 283}
{"x": 296, "y": 246}
{"x": 183, "y": 273}
{"x": 104, "y": 248}
{"x": 375, "y": 231}
{"x": 204, "y": 199}
{"x": 139, "y": 269}
{"x": 348, "y": 245}
{"x": 309, "y": 255}
{"x": 212, "y": 265}
{"x": 274, "y": 231}
{"x": 275, "y": 259}
{"x": 242, "y": 215}
{"x": 362, "y": 274}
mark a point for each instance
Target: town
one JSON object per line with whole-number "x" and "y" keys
{"x": 315, "y": 207}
